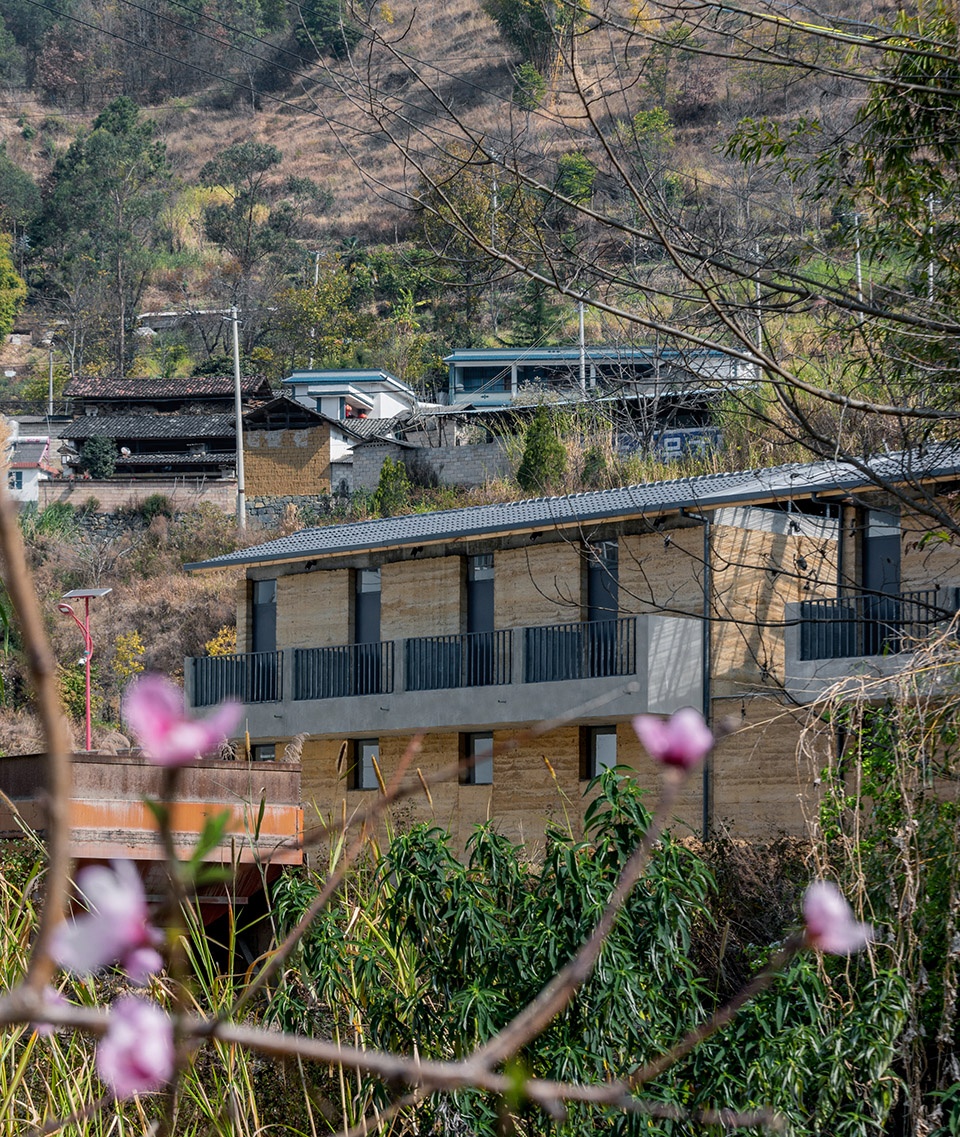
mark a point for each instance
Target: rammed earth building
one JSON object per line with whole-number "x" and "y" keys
{"x": 744, "y": 595}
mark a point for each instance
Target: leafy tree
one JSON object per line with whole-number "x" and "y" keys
{"x": 262, "y": 220}
{"x": 13, "y": 289}
{"x": 99, "y": 456}
{"x": 322, "y": 323}
{"x": 529, "y": 87}
{"x": 323, "y": 29}
{"x": 575, "y": 176}
{"x": 544, "y": 462}
{"x": 528, "y": 26}
{"x": 19, "y": 195}
{"x": 97, "y": 228}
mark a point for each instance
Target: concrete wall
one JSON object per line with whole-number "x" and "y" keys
{"x": 123, "y": 493}
{"x": 279, "y": 462}
{"x": 473, "y": 465}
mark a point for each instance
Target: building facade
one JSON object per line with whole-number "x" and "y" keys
{"x": 467, "y": 628}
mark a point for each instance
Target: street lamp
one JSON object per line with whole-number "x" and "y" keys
{"x": 84, "y": 594}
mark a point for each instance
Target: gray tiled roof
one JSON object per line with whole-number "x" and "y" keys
{"x": 215, "y": 458}
{"x": 778, "y": 483}
{"x": 192, "y": 387}
{"x": 26, "y": 453}
{"x": 151, "y": 426}
{"x": 376, "y": 427}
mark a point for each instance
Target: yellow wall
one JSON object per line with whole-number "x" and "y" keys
{"x": 420, "y": 598}
{"x": 281, "y": 462}
{"x": 313, "y": 609}
{"x": 537, "y": 585}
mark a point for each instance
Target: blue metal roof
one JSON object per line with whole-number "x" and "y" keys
{"x": 708, "y": 491}
{"x": 565, "y": 354}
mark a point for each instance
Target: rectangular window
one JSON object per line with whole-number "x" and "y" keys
{"x": 264, "y": 615}
{"x": 476, "y": 758}
{"x": 603, "y": 601}
{"x": 598, "y": 750}
{"x": 367, "y": 607}
{"x": 15, "y": 480}
{"x": 362, "y": 774}
{"x": 265, "y": 752}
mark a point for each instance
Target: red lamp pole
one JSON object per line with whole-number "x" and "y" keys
{"x": 84, "y": 626}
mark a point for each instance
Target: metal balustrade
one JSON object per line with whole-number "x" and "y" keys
{"x": 251, "y": 677}
{"x": 875, "y": 624}
{"x": 337, "y": 672}
{"x": 475, "y": 659}
{"x": 551, "y": 653}
{"x": 588, "y": 650}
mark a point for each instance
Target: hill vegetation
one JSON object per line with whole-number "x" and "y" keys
{"x": 258, "y": 169}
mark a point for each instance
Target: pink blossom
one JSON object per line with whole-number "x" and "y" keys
{"x": 135, "y": 1056}
{"x": 830, "y": 925}
{"x": 116, "y": 928}
{"x": 153, "y": 709}
{"x": 682, "y": 740}
{"x": 55, "y": 1001}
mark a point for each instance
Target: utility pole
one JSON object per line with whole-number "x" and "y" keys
{"x": 316, "y": 282}
{"x": 238, "y": 414}
{"x": 583, "y": 350}
{"x": 50, "y": 387}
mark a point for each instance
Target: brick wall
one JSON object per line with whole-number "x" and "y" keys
{"x": 122, "y": 493}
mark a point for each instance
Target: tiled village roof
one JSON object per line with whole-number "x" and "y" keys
{"x": 194, "y": 387}
{"x": 707, "y": 491}
{"x": 150, "y": 426}
{"x": 376, "y": 427}
{"x": 216, "y": 458}
{"x": 27, "y": 454}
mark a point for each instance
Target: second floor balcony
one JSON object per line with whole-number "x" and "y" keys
{"x": 861, "y": 634}
{"x": 507, "y": 676}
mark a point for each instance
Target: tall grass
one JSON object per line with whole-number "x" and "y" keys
{"x": 225, "y": 1091}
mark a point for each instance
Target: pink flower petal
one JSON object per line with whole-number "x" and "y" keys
{"x": 115, "y": 929}
{"x": 136, "y": 1054}
{"x": 683, "y": 740}
{"x": 153, "y": 709}
{"x": 830, "y": 923}
{"x": 51, "y": 998}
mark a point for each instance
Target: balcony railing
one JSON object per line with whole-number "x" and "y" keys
{"x": 477, "y": 659}
{"x": 556, "y": 652}
{"x": 336, "y": 672}
{"x": 253, "y": 677}
{"x": 580, "y": 651}
{"x": 874, "y": 624}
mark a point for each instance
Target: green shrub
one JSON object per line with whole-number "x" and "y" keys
{"x": 156, "y": 505}
{"x": 392, "y": 495}
{"x": 544, "y": 461}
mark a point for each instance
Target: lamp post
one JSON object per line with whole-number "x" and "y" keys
{"x": 84, "y": 594}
